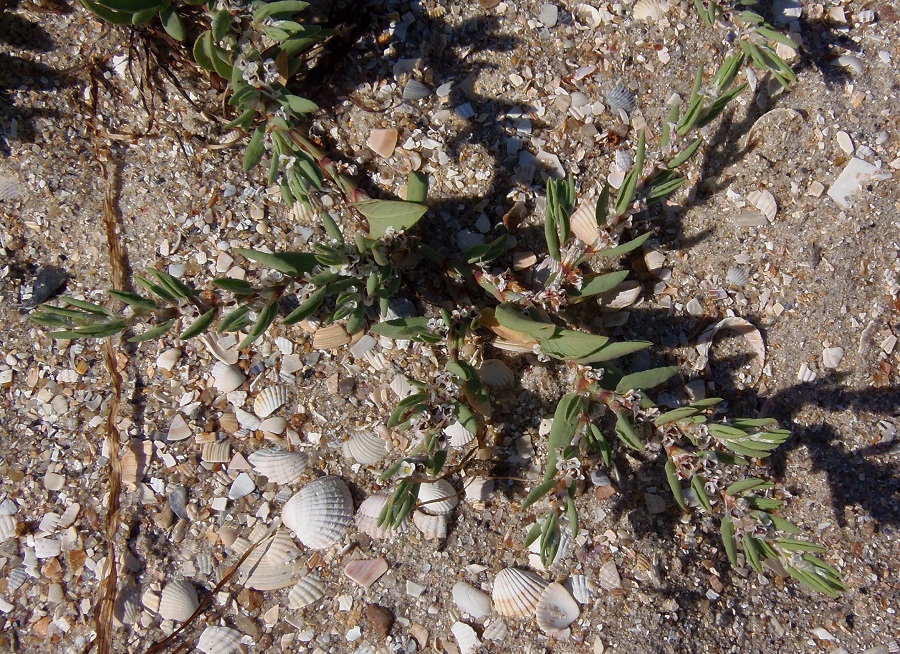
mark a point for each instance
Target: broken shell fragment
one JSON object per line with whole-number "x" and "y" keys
{"x": 433, "y": 527}
{"x": 650, "y": 10}
{"x": 831, "y": 357}
{"x": 330, "y": 337}
{"x": 414, "y": 90}
{"x": 735, "y": 324}
{"x": 556, "y": 609}
{"x": 383, "y": 141}
{"x": 321, "y": 513}
{"x": 308, "y": 590}
{"x": 517, "y": 592}
{"x": 466, "y": 638}
{"x": 765, "y": 202}
{"x": 219, "y": 640}
{"x": 365, "y": 572}
{"x": 608, "y": 576}
{"x": 581, "y": 588}
{"x": 178, "y": 601}
{"x": 471, "y": 600}
{"x": 270, "y": 400}
{"x": 279, "y": 466}
{"x": 227, "y": 378}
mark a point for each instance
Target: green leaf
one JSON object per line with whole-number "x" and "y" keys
{"x": 570, "y": 345}
{"x": 133, "y": 299}
{"x": 597, "y": 284}
{"x": 294, "y": 264}
{"x": 203, "y": 51}
{"x": 97, "y": 330}
{"x": 414, "y": 329}
{"x": 282, "y": 8}
{"x": 234, "y": 321}
{"x": 509, "y": 316}
{"x": 602, "y": 444}
{"x": 739, "y": 487}
{"x": 256, "y": 148}
{"x": 154, "y": 289}
{"x": 172, "y": 284}
{"x": 486, "y": 251}
{"x": 466, "y": 418}
{"x": 110, "y": 16}
{"x": 752, "y": 552}
{"x": 674, "y": 484}
{"x": 417, "y": 187}
{"x": 542, "y": 489}
{"x": 533, "y": 533}
{"x": 155, "y": 332}
{"x": 629, "y": 186}
{"x": 795, "y": 545}
{"x": 784, "y": 525}
{"x": 244, "y": 121}
{"x": 266, "y": 317}
{"x": 614, "y": 351}
{"x": 646, "y": 379}
{"x": 719, "y": 105}
{"x": 685, "y": 154}
{"x": 299, "y": 105}
{"x": 625, "y": 431}
{"x": 670, "y": 122}
{"x": 308, "y": 307}
{"x": 674, "y": 415}
{"x": 89, "y": 307}
{"x": 235, "y": 286}
{"x": 221, "y": 23}
{"x": 625, "y": 248}
{"x": 385, "y": 214}
{"x": 729, "y": 541}
{"x": 133, "y": 6}
{"x": 698, "y": 484}
{"x": 173, "y": 24}
{"x": 199, "y": 326}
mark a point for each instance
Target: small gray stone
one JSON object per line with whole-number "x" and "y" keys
{"x": 549, "y": 15}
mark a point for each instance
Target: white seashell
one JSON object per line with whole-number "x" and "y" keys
{"x": 7, "y": 528}
{"x": 270, "y": 400}
{"x": 496, "y": 631}
{"x": 608, "y": 576}
{"x": 308, "y": 590}
{"x": 383, "y": 141}
{"x": 219, "y": 640}
{"x": 274, "y": 425}
{"x": 415, "y": 90}
{"x": 517, "y": 592}
{"x": 649, "y": 9}
{"x": 805, "y": 374}
{"x": 471, "y": 600}
{"x": 128, "y": 609}
{"x": 737, "y": 276}
{"x": 365, "y": 572}
{"x": 167, "y": 359}
{"x": 831, "y": 357}
{"x": 496, "y": 374}
{"x": 365, "y": 448}
{"x": 459, "y": 436}
{"x": 178, "y": 601}
{"x": 623, "y": 295}
{"x": 851, "y": 62}
{"x": 433, "y": 527}
{"x": 216, "y": 452}
{"x": 739, "y": 325}
{"x": 621, "y": 99}
{"x": 268, "y": 566}
{"x": 749, "y": 218}
{"x": 227, "y": 378}
{"x": 321, "y": 513}
{"x": 466, "y": 638}
{"x": 178, "y": 429}
{"x": 587, "y": 16}
{"x": 765, "y": 202}
{"x": 438, "y": 497}
{"x": 556, "y": 609}
{"x": 68, "y": 516}
{"x": 10, "y": 188}
{"x": 478, "y": 489}
{"x": 330, "y": 337}
{"x": 279, "y": 466}
{"x": 247, "y": 420}
{"x": 581, "y": 588}
{"x": 243, "y": 485}
{"x": 583, "y": 222}
{"x": 367, "y": 517}
{"x": 16, "y": 579}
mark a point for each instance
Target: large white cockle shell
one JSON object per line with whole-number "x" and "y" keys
{"x": 433, "y": 527}
{"x": 178, "y": 601}
{"x": 556, "y": 609}
{"x": 279, "y": 466}
{"x": 438, "y": 497}
{"x": 517, "y": 592}
{"x": 321, "y": 513}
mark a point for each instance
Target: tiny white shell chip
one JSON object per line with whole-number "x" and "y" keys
{"x": 219, "y": 640}
{"x": 321, "y": 513}
{"x": 270, "y": 400}
{"x": 279, "y": 466}
{"x": 178, "y": 601}
{"x": 365, "y": 447}
{"x": 831, "y": 357}
{"x": 556, "y": 609}
{"x": 308, "y": 590}
{"x": 227, "y": 378}
{"x": 471, "y": 600}
{"x": 517, "y": 592}
{"x": 438, "y": 497}
{"x": 765, "y": 202}
{"x": 466, "y": 638}
{"x": 168, "y": 358}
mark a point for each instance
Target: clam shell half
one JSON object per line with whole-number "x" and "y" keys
{"x": 321, "y": 513}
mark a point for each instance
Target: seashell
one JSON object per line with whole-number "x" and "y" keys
{"x": 649, "y": 9}
{"x": 466, "y": 638}
{"x": 167, "y": 359}
{"x": 433, "y": 527}
{"x": 178, "y": 429}
{"x": 216, "y": 452}
{"x": 438, "y": 497}
{"x": 624, "y": 162}
{"x": 805, "y": 374}
{"x": 415, "y": 90}
{"x": 68, "y": 516}
{"x": 584, "y": 222}
{"x": 586, "y": 16}
{"x": 10, "y": 189}
{"x": 135, "y": 461}
{"x": 749, "y": 218}
{"x": 247, "y": 420}
{"x": 268, "y": 566}
{"x": 517, "y": 592}
{"x": 228, "y": 422}
{"x": 7, "y": 528}
{"x": 242, "y": 486}
{"x": 737, "y": 276}
{"x": 219, "y": 640}
{"x": 581, "y": 588}
{"x": 128, "y": 609}
{"x": 459, "y": 436}
{"x": 765, "y": 202}
{"x": 620, "y": 99}
{"x": 178, "y": 601}
{"x": 496, "y": 374}
{"x": 565, "y": 548}
{"x": 227, "y": 378}
{"x": 851, "y": 62}
{"x": 367, "y": 517}
{"x": 471, "y": 600}
{"x": 831, "y": 357}
{"x": 556, "y": 609}
{"x": 623, "y": 295}
{"x": 608, "y": 576}
{"x": 739, "y": 325}
{"x": 321, "y": 513}
{"x": 478, "y": 489}
{"x": 279, "y": 466}
{"x": 270, "y": 400}
{"x": 330, "y": 337}
{"x": 273, "y": 425}
{"x": 365, "y": 448}
{"x": 365, "y": 572}
{"x": 17, "y": 579}
{"x": 308, "y": 590}
{"x": 383, "y": 141}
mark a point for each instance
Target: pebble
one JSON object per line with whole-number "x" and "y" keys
{"x": 381, "y": 618}
{"x": 549, "y": 15}
{"x": 845, "y": 142}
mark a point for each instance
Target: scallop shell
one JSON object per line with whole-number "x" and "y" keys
{"x": 620, "y": 98}
{"x": 581, "y": 588}
{"x": 178, "y": 601}
{"x": 608, "y": 576}
{"x": 649, "y": 9}
{"x": 367, "y": 517}
{"x": 219, "y": 640}
{"x": 517, "y": 592}
{"x": 433, "y": 527}
{"x": 365, "y": 447}
{"x": 459, "y": 435}
{"x": 737, "y": 276}
{"x": 831, "y": 357}
{"x": 765, "y": 202}
{"x": 279, "y": 466}
{"x": 466, "y": 638}
{"x": 438, "y": 497}
{"x": 308, "y": 590}
{"x": 270, "y": 400}
{"x": 584, "y": 222}
{"x": 415, "y": 90}
{"x": 321, "y": 513}
{"x": 227, "y": 378}
{"x": 496, "y": 374}
{"x": 274, "y": 425}
{"x": 556, "y": 609}
{"x": 10, "y": 188}
{"x": 128, "y": 609}
{"x": 471, "y": 600}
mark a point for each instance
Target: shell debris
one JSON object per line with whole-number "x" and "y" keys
{"x": 279, "y": 466}
{"x": 366, "y": 572}
{"x": 383, "y": 141}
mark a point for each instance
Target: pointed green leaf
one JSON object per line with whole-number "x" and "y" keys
{"x": 625, "y": 431}
{"x": 294, "y": 264}
{"x": 739, "y": 487}
{"x": 133, "y": 299}
{"x": 236, "y": 320}
{"x": 625, "y": 248}
{"x": 256, "y": 148}
{"x": 729, "y": 541}
{"x": 154, "y": 332}
{"x": 542, "y": 489}
{"x": 509, "y": 316}
{"x": 699, "y": 486}
{"x": 597, "y": 284}
{"x": 266, "y": 317}
{"x": 199, "y": 326}
{"x": 614, "y": 351}
{"x": 675, "y": 484}
{"x": 646, "y": 379}
{"x": 390, "y": 214}
{"x": 629, "y": 186}
{"x": 752, "y": 552}
{"x": 570, "y": 345}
